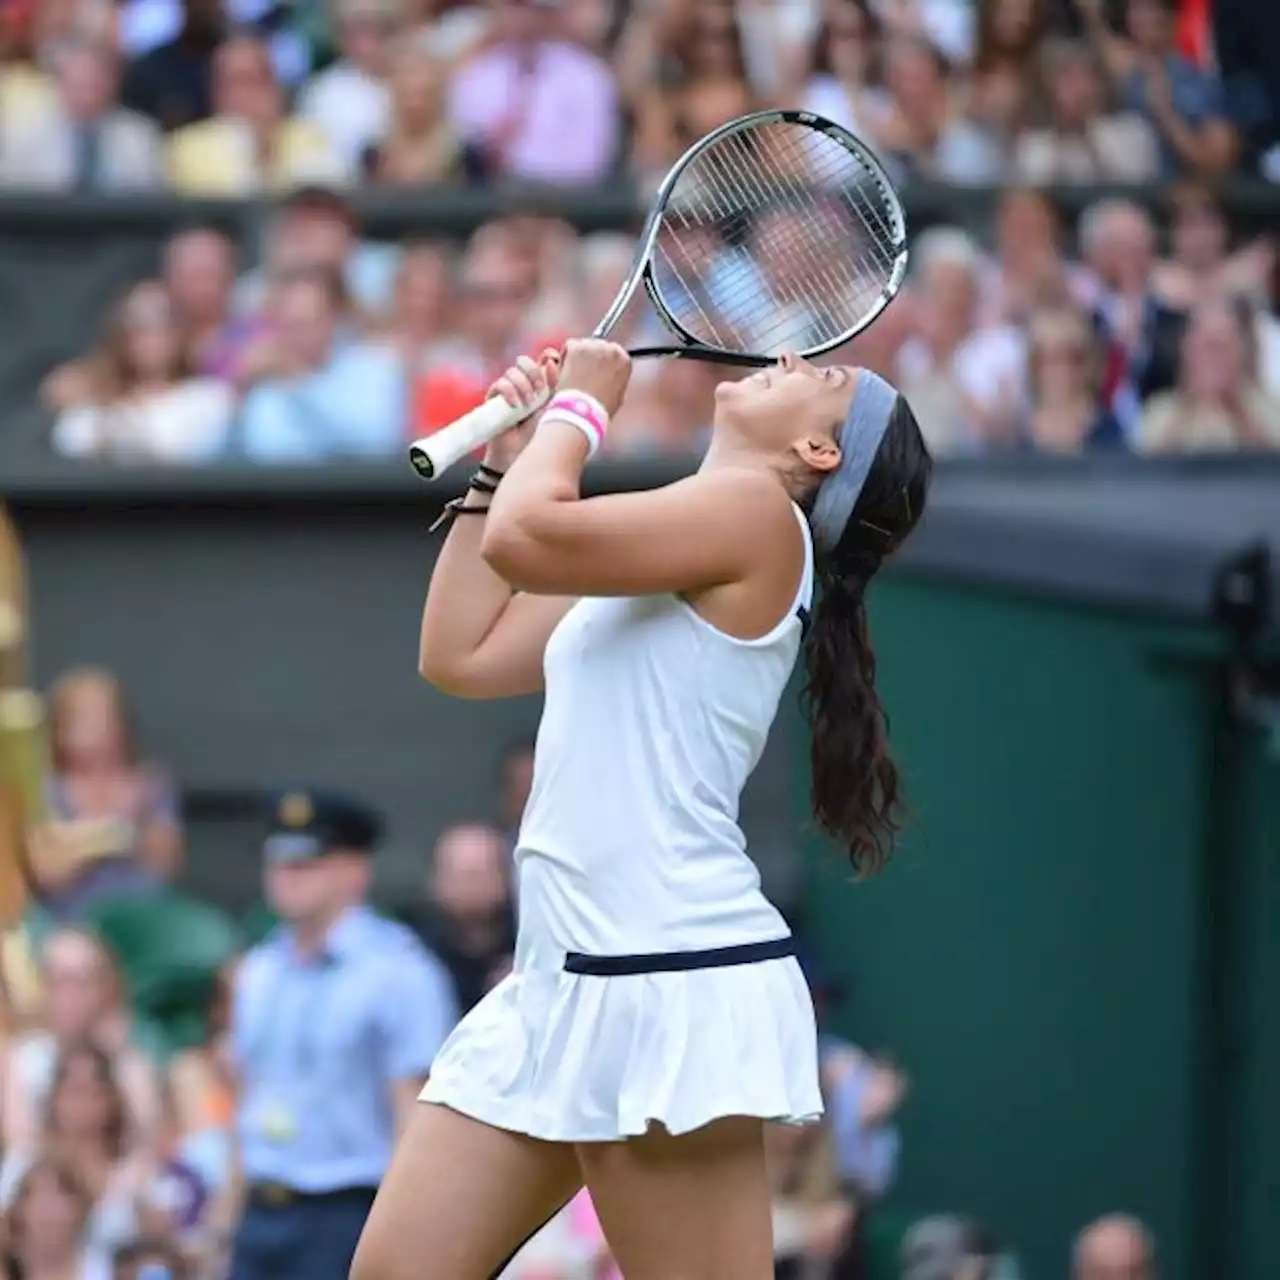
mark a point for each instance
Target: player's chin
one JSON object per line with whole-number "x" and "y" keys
{"x": 740, "y": 388}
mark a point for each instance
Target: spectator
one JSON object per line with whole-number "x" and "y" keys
{"x": 316, "y": 228}
{"x": 495, "y": 290}
{"x": 139, "y": 400}
{"x": 1201, "y": 264}
{"x": 838, "y": 74}
{"x": 533, "y": 106}
{"x": 48, "y": 1220}
{"x": 948, "y": 25}
{"x": 1028, "y": 270}
{"x": 1082, "y": 141}
{"x": 705, "y": 86}
{"x": 418, "y": 147}
{"x": 87, "y": 143}
{"x": 113, "y": 824}
{"x": 336, "y": 1019}
{"x": 419, "y": 320}
{"x": 964, "y": 383}
{"x": 26, "y": 91}
{"x": 350, "y": 101}
{"x": 813, "y": 1220}
{"x": 1217, "y": 403}
{"x": 173, "y": 82}
{"x": 199, "y": 272}
{"x": 945, "y": 1248}
{"x": 1065, "y": 383}
{"x": 83, "y": 1002}
{"x": 864, "y": 1094}
{"x": 923, "y": 134}
{"x": 591, "y": 24}
{"x": 251, "y": 144}
{"x": 202, "y": 1089}
{"x": 1004, "y": 85}
{"x": 1116, "y": 1245}
{"x": 468, "y": 919}
{"x": 1140, "y": 333}
{"x": 87, "y": 1125}
{"x": 320, "y": 399}
{"x": 1183, "y": 104}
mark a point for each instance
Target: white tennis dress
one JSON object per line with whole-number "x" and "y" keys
{"x": 639, "y": 995}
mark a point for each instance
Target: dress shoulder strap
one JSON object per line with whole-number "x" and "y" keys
{"x": 804, "y": 594}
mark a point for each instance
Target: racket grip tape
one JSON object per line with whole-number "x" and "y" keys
{"x": 433, "y": 455}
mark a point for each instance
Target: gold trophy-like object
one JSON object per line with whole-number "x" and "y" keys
{"x": 23, "y": 763}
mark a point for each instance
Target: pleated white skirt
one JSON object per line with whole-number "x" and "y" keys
{"x": 572, "y": 1057}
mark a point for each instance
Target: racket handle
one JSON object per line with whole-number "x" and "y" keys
{"x": 434, "y": 454}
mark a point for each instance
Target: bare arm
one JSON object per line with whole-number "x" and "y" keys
{"x": 404, "y": 1097}
{"x": 1209, "y": 148}
{"x": 1114, "y": 50}
{"x": 714, "y": 529}
{"x": 479, "y": 638}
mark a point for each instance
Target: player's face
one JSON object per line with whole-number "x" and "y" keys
{"x": 788, "y": 405}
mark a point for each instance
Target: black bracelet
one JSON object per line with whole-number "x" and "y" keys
{"x": 455, "y": 507}
{"x": 482, "y": 486}
{"x": 490, "y": 473}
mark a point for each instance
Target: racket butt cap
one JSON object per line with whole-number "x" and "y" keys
{"x": 422, "y": 463}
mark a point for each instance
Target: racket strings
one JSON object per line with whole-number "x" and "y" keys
{"x": 775, "y": 237}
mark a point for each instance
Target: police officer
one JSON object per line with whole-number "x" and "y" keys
{"x": 336, "y": 1018}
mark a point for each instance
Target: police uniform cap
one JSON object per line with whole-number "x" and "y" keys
{"x": 306, "y": 823}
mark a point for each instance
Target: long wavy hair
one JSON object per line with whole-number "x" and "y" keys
{"x": 856, "y": 790}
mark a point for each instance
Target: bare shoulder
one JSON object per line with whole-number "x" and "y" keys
{"x": 754, "y": 499}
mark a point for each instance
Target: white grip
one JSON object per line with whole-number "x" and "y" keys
{"x": 435, "y": 454}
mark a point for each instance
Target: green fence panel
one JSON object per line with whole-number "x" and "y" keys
{"x": 1030, "y": 956}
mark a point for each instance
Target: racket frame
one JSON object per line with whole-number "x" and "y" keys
{"x": 692, "y": 348}
{"x": 435, "y": 453}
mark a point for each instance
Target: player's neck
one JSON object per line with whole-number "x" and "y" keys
{"x": 727, "y": 454}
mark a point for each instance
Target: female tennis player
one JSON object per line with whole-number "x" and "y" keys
{"x": 656, "y": 1016}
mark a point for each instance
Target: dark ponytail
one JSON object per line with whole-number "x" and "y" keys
{"x": 856, "y": 788}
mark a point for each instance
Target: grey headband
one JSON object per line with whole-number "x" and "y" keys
{"x": 859, "y": 441}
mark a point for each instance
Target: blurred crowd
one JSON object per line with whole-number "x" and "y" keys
{"x": 1146, "y": 327}
{"x": 132, "y": 1143}
{"x": 1123, "y": 338}
{"x": 236, "y": 97}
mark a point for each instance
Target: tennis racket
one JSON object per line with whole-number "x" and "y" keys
{"x": 779, "y": 231}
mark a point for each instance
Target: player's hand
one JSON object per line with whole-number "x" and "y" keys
{"x": 522, "y": 385}
{"x": 601, "y": 369}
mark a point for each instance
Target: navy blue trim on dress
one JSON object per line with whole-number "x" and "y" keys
{"x": 679, "y": 961}
{"x": 803, "y": 614}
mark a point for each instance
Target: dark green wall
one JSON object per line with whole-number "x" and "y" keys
{"x": 1031, "y": 955}
{"x": 1250, "y": 1192}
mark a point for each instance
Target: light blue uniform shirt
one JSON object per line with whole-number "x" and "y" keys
{"x": 319, "y": 1042}
{"x": 355, "y": 407}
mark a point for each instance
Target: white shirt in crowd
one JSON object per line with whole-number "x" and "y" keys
{"x": 186, "y": 423}
{"x": 349, "y": 106}
{"x": 988, "y": 368}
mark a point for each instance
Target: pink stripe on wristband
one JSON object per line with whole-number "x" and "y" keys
{"x": 582, "y": 411}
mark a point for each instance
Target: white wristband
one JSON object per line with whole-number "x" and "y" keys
{"x": 580, "y": 410}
